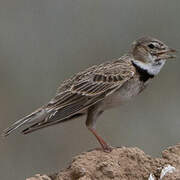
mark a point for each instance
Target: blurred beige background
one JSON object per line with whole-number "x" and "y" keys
{"x": 43, "y": 42}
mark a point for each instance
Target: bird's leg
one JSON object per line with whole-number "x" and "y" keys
{"x": 103, "y": 144}
{"x": 92, "y": 116}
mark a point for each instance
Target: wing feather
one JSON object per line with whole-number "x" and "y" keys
{"x": 85, "y": 89}
{"x": 90, "y": 85}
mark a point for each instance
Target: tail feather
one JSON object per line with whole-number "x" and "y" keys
{"x": 38, "y": 126}
{"x": 36, "y": 116}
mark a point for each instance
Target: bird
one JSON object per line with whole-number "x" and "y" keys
{"x": 100, "y": 87}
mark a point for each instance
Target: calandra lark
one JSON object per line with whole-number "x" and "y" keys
{"x": 100, "y": 87}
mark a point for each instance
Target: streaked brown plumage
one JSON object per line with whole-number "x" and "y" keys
{"x": 100, "y": 87}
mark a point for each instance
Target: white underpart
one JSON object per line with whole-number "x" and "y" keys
{"x": 152, "y": 68}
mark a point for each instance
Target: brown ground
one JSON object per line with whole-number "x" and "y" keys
{"x": 121, "y": 164}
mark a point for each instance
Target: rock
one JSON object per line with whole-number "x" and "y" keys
{"x": 122, "y": 163}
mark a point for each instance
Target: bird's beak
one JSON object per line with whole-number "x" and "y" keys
{"x": 170, "y": 53}
{"x": 167, "y": 54}
{"x": 172, "y": 50}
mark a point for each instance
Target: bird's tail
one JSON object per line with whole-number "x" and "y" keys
{"x": 36, "y": 116}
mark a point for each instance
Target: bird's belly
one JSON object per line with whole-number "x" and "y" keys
{"x": 123, "y": 94}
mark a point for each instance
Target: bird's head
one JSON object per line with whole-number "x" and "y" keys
{"x": 151, "y": 54}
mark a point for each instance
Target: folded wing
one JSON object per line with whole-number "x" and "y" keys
{"x": 83, "y": 90}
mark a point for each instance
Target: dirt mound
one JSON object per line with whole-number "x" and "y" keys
{"x": 122, "y": 163}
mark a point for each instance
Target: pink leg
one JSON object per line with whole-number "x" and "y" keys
{"x": 103, "y": 144}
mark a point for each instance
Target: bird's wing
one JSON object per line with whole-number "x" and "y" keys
{"x": 94, "y": 82}
{"x": 85, "y": 89}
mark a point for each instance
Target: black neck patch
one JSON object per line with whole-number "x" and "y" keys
{"x": 144, "y": 75}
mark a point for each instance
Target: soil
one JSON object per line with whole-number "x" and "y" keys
{"x": 121, "y": 164}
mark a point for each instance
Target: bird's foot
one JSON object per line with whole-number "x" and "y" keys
{"x": 107, "y": 148}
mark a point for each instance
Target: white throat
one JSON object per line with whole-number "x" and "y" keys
{"x": 152, "y": 68}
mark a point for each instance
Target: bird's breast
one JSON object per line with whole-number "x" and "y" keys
{"x": 129, "y": 89}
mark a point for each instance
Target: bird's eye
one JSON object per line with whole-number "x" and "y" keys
{"x": 151, "y": 46}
